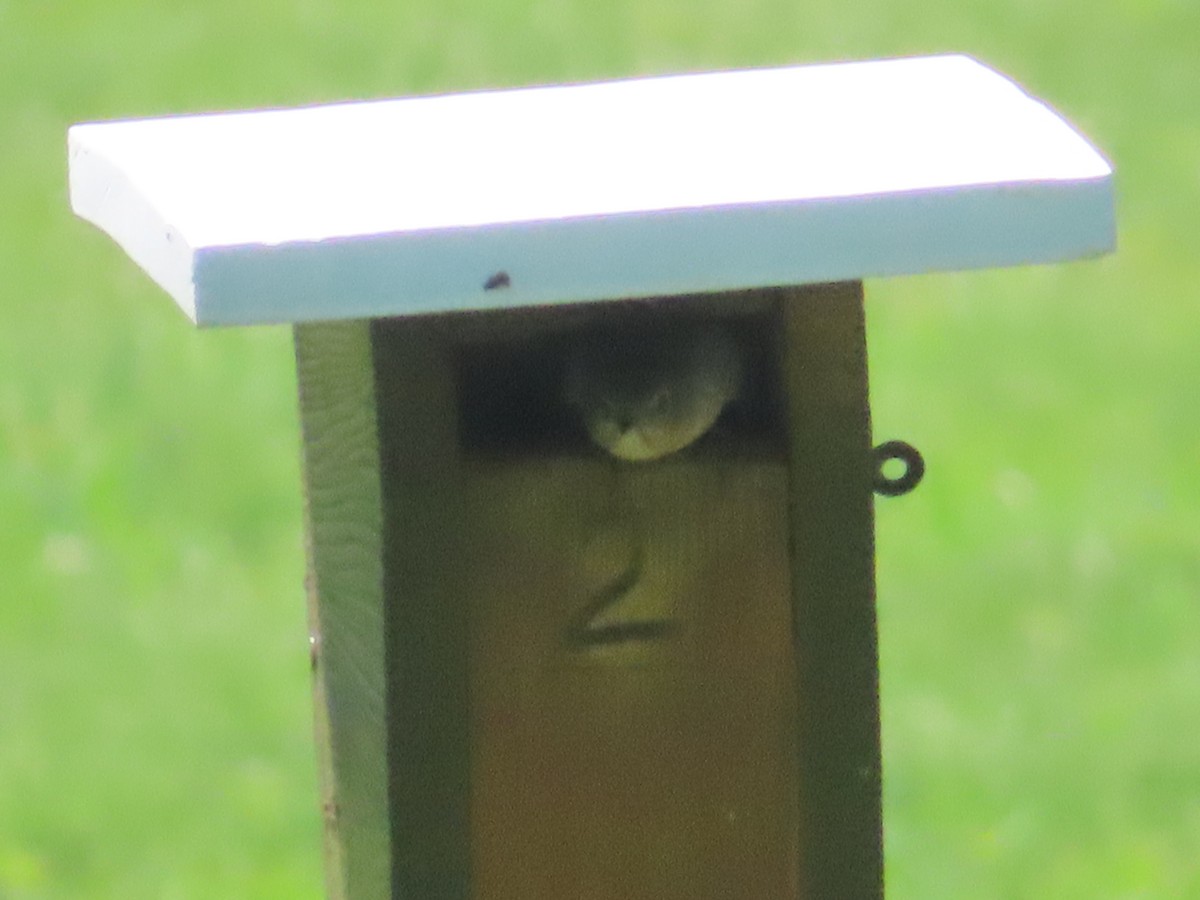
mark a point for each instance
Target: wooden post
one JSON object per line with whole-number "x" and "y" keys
{"x": 734, "y": 754}
{"x": 542, "y": 672}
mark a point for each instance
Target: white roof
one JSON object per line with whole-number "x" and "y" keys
{"x": 644, "y": 187}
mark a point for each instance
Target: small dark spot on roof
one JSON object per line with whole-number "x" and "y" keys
{"x": 498, "y": 280}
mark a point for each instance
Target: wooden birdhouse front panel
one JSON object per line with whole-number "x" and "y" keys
{"x": 612, "y": 640}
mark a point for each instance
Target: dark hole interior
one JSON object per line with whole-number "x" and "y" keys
{"x": 512, "y": 389}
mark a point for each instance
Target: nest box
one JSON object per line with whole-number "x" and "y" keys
{"x": 546, "y": 666}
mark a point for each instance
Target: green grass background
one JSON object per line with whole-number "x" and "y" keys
{"x": 1039, "y": 594}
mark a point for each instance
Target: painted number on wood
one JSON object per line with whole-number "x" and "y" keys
{"x": 602, "y": 621}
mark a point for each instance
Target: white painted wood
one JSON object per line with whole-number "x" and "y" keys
{"x": 644, "y": 187}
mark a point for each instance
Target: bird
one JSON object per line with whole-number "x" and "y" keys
{"x": 647, "y": 392}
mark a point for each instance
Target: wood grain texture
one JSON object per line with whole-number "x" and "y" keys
{"x": 823, "y": 367}
{"x": 345, "y": 586}
{"x": 653, "y": 769}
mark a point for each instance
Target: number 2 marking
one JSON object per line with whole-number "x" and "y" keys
{"x": 586, "y": 631}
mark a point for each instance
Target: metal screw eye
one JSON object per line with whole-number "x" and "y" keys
{"x": 914, "y": 468}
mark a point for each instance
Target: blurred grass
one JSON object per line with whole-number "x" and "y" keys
{"x": 1038, "y": 594}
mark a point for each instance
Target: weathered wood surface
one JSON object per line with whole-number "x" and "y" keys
{"x": 661, "y": 766}
{"x": 344, "y": 517}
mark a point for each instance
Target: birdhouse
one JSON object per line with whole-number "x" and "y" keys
{"x": 587, "y": 448}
